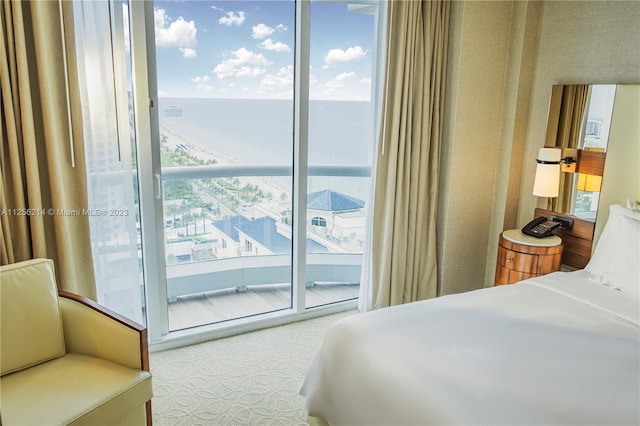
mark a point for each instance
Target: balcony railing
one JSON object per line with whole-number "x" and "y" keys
{"x": 215, "y": 171}
{"x": 240, "y": 272}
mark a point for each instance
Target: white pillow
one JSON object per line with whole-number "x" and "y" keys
{"x": 616, "y": 259}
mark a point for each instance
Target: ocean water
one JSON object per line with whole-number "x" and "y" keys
{"x": 256, "y": 131}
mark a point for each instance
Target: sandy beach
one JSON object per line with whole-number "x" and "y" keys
{"x": 173, "y": 141}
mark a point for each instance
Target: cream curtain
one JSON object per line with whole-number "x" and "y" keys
{"x": 572, "y": 109}
{"x": 403, "y": 258}
{"x": 42, "y": 157}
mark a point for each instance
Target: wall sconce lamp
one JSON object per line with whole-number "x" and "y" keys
{"x": 569, "y": 160}
{"x": 550, "y": 162}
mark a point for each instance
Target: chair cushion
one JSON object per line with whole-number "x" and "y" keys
{"x": 75, "y": 389}
{"x": 30, "y": 320}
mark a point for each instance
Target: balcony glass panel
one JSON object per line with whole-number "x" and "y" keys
{"x": 227, "y": 244}
{"x": 341, "y": 127}
{"x": 225, "y": 89}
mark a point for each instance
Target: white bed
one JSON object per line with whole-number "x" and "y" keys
{"x": 560, "y": 349}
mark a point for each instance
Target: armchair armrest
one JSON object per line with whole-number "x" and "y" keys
{"x": 92, "y": 329}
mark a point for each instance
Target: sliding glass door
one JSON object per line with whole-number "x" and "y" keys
{"x": 225, "y": 108}
{"x": 342, "y": 47}
{"x": 254, "y": 131}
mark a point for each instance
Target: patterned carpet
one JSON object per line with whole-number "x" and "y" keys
{"x": 250, "y": 379}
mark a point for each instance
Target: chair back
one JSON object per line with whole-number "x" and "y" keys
{"x": 30, "y": 320}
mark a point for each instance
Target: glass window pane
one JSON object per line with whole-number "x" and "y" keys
{"x": 225, "y": 83}
{"x": 341, "y": 126}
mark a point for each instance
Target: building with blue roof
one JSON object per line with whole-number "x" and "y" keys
{"x": 261, "y": 236}
{"x": 335, "y": 222}
{"x": 239, "y": 235}
{"x": 337, "y": 217}
{"x": 230, "y": 226}
{"x": 332, "y": 201}
{"x": 226, "y": 232}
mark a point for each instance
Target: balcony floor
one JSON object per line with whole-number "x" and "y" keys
{"x": 208, "y": 308}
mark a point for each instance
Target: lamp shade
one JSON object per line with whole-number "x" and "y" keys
{"x": 547, "y": 180}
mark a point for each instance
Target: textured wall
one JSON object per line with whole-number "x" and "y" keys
{"x": 580, "y": 42}
{"x": 621, "y": 179}
{"x": 487, "y": 106}
{"x": 504, "y": 58}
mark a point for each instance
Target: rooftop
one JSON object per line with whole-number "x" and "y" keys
{"x": 333, "y": 201}
{"x": 230, "y": 225}
{"x": 263, "y": 230}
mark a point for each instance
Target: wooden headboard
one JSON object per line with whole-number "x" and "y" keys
{"x": 577, "y": 242}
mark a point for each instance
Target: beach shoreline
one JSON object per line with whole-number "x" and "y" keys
{"x": 267, "y": 184}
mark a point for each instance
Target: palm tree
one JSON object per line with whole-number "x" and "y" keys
{"x": 186, "y": 217}
{"x": 205, "y": 217}
{"x": 172, "y": 209}
{"x": 185, "y": 208}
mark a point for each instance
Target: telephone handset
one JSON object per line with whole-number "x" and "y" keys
{"x": 540, "y": 227}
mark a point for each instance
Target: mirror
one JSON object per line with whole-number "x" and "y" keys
{"x": 580, "y": 118}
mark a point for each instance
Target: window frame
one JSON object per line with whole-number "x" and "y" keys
{"x": 145, "y": 96}
{"x": 319, "y": 221}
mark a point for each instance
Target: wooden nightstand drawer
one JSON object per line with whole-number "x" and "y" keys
{"x": 509, "y": 276}
{"x": 517, "y": 261}
{"x": 521, "y": 257}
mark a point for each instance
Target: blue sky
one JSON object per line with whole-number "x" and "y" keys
{"x": 244, "y": 49}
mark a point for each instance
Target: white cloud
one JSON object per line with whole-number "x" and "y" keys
{"x": 204, "y": 88}
{"x": 341, "y": 80}
{"x": 279, "y": 85}
{"x": 179, "y": 33}
{"x": 278, "y": 46}
{"x": 232, "y": 18}
{"x": 365, "y": 81}
{"x": 245, "y": 64}
{"x": 339, "y": 55}
{"x": 202, "y": 79}
{"x": 344, "y": 87}
{"x": 281, "y": 27}
{"x": 282, "y": 80}
{"x": 188, "y": 52}
{"x": 262, "y": 31}
{"x": 201, "y": 83}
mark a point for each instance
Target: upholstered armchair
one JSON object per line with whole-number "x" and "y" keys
{"x": 64, "y": 359}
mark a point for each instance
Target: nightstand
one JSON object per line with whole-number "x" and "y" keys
{"x": 521, "y": 256}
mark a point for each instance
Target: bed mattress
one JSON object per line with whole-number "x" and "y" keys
{"x": 559, "y": 349}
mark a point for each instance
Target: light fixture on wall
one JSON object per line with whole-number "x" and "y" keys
{"x": 547, "y": 180}
{"x": 588, "y": 163}
{"x": 550, "y": 162}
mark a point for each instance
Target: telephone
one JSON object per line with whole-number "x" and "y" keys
{"x": 540, "y": 227}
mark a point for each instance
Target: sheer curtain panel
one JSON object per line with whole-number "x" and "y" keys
{"x": 102, "y": 54}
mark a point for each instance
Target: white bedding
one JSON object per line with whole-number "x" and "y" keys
{"x": 562, "y": 349}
